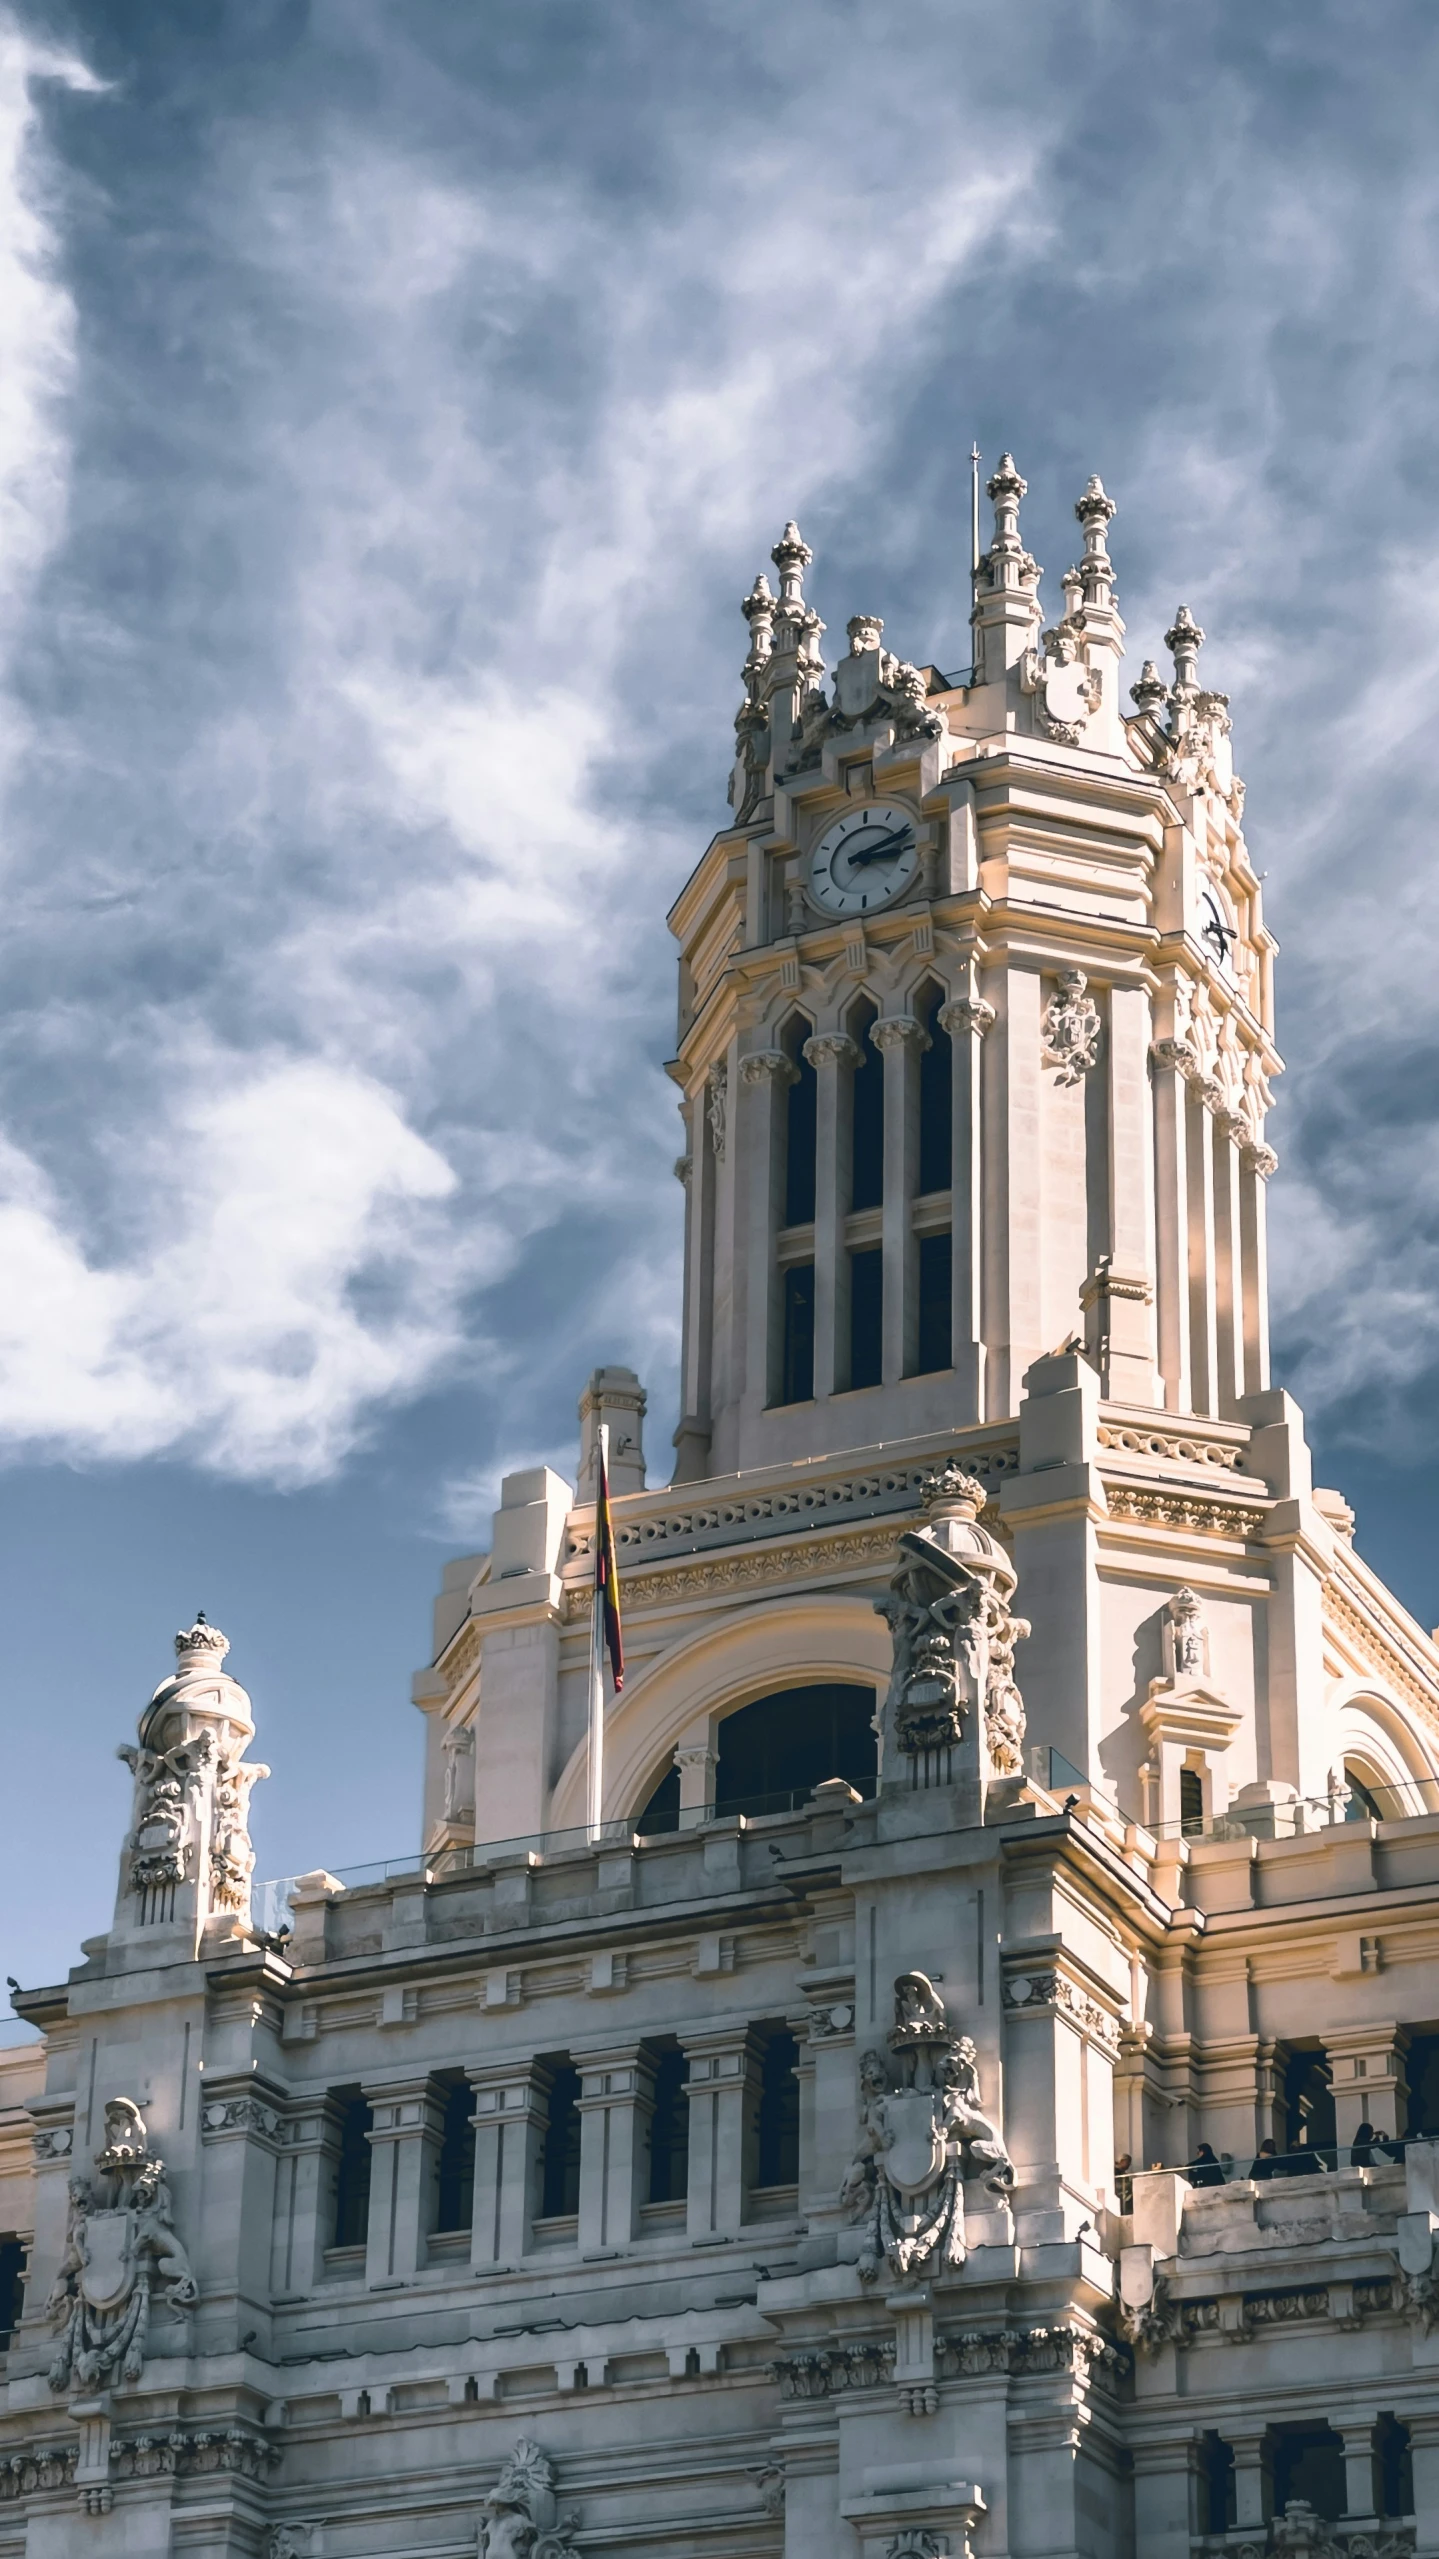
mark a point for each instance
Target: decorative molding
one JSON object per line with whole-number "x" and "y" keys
{"x": 862, "y": 2363}
{"x": 1055, "y": 1990}
{"x": 1164, "y": 1509}
{"x": 899, "y": 1031}
{"x": 768, "y": 1066}
{"x": 55, "y": 2142}
{"x": 240, "y": 2115}
{"x": 831, "y": 1048}
{"x": 728, "y": 1521}
{"x": 684, "y": 1581}
{"x": 1185, "y": 1448}
{"x": 829, "y": 2022}
{"x": 967, "y": 1014}
{"x": 1384, "y": 1656}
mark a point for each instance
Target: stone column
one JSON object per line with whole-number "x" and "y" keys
{"x": 1164, "y": 2498}
{"x": 1203, "y": 1335}
{"x": 241, "y": 2121}
{"x": 510, "y": 2100}
{"x": 1172, "y": 1222}
{"x": 304, "y": 2199}
{"x": 1423, "y": 2424}
{"x": 1357, "y": 2435}
{"x": 832, "y": 1054}
{"x": 1369, "y": 2080}
{"x": 696, "y": 1759}
{"x": 616, "y": 2098}
{"x": 1251, "y": 2476}
{"x": 724, "y": 2066}
{"x": 765, "y": 1073}
{"x": 408, "y": 2121}
{"x": 1256, "y": 1165}
{"x": 1131, "y": 1370}
{"x": 967, "y": 1018}
{"x": 1013, "y": 1224}
{"x": 900, "y": 1040}
{"x": 1228, "y": 1264}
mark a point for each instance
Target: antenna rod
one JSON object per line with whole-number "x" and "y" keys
{"x": 974, "y": 508}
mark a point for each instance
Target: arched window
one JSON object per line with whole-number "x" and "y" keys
{"x": 779, "y": 1749}
{"x": 1365, "y": 1803}
{"x": 801, "y": 1127}
{"x": 662, "y": 1810}
{"x": 936, "y": 1098}
{"x": 866, "y": 1188}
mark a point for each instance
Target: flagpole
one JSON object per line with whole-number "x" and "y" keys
{"x": 596, "y": 1770}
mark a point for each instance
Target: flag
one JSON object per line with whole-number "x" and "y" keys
{"x": 607, "y": 1571}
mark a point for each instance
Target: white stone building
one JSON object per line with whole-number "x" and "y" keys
{"x": 790, "y": 2171}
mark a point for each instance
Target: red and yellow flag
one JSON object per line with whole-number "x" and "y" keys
{"x": 607, "y": 1571}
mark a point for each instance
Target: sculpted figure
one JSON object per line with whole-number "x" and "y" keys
{"x": 518, "y": 2518}
{"x": 121, "y": 2246}
{"x": 922, "y": 2131}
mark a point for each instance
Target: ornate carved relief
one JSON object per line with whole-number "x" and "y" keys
{"x": 922, "y": 2132}
{"x": 519, "y": 2518}
{"x": 967, "y": 1015}
{"x": 1065, "y": 689}
{"x": 716, "y": 1105}
{"x": 954, "y": 1637}
{"x": 190, "y": 1817}
{"x": 1072, "y": 1028}
{"x": 121, "y": 2248}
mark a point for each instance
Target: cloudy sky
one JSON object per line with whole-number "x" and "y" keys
{"x": 396, "y": 397}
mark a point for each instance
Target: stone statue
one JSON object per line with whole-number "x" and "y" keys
{"x": 954, "y": 1637}
{"x": 518, "y": 2519}
{"x": 921, "y": 2133}
{"x": 121, "y": 2246}
{"x": 189, "y": 1852}
{"x": 1188, "y": 1636}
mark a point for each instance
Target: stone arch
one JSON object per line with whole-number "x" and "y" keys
{"x": 682, "y": 1697}
{"x": 1377, "y": 1739}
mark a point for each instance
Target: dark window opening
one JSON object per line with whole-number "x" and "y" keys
{"x": 801, "y": 1127}
{"x": 1216, "y": 2484}
{"x": 867, "y": 1126}
{"x": 1309, "y": 2104}
{"x": 777, "y": 2125}
{"x": 353, "y": 2162}
{"x": 936, "y": 1269}
{"x": 662, "y": 1811}
{"x": 1309, "y": 2464}
{"x": 866, "y": 1317}
{"x": 1393, "y": 2468}
{"x": 455, "y": 2167}
{"x": 560, "y": 2146}
{"x": 936, "y": 1105}
{"x": 1191, "y": 1802}
{"x": 670, "y": 2127}
{"x": 779, "y": 1749}
{"x": 1421, "y": 2068}
{"x": 12, "y": 2285}
{"x": 797, "y": 1382}
{"x": 1363, "y": 1804}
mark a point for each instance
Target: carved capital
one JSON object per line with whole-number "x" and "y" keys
{"x": 899, "y": 1031}
{"x": 767, "y": 1066}
{"x": 831, "y": 1048}
{"x": 966, "y": 1013}
{"x": 1259, "y": 1159}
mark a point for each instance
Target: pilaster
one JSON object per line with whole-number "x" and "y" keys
{"x": 967, "y": 1018}
{"x": 1131, "y": 1371}
{"x": 832, "y": 1054}
{"x": 765, "y": 1074}
{"x": 1203, "y": 1312}
{"x": 304, "y": 2197}
{"x": 408, "y": 2120}
{"x": 722, "y": 2076}
{"x": 616, "y": 2095}
{"x": 1013, "y": 1225}
{"x": 1172, "y": 1280}
{"x": 1164, "y": 2498}
{"x": 510, "y": 2100}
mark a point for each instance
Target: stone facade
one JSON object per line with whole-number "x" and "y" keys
{"x": 792, "y": 2165}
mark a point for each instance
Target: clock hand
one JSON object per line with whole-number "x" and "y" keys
{"x": 885, "y": 851}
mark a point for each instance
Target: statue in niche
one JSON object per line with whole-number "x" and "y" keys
{"x": 121, "y": 2247}
{"x": 1186, "y": 1636}
{"x": 922, "y": 2132}
{"x": 954, "y": 1637}
{"x": 519, "y": 2518}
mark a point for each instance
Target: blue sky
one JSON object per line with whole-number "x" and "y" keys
{"x": 395, "y": 401}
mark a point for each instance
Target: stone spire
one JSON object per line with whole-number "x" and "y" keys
{"x": 749, "y": 781}
{"x": 1006, "y": 606}
{"x": 1095, "y": 512}
{"x": 796, "y": 668}
{"x": 187, "y": 1860}
{"x": 1184, "y": 640}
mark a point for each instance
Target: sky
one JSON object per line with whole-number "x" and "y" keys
{"x": 396, "y": 399}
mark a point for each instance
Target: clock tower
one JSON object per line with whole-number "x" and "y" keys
{"x": 976, "y": 1028}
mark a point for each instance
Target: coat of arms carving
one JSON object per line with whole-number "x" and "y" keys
{"x": 923, "y": 2131}
{"x": 121, "y": 2247}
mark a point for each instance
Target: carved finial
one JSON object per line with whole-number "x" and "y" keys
{"x": 791, "y": 556}
{"x": 1149, "y": 694}
{"x": 865, "y": 631}
{"x": 1094, "y": 511}
{"x": 1184, "y": 642}
{"x": 1006, "y": 488}
{"x": 201, "y": 1642}
{"x": 951, "y": 1494}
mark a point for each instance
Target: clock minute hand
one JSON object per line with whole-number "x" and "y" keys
{"x": 884, "y": 851}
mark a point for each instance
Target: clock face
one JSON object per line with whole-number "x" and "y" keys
{"x": 865, "y": 860}
{"x": 1216, "y": 932}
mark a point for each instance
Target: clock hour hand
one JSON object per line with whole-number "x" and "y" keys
{"x": 885, "y": 851}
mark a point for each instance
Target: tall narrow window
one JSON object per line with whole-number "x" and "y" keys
{"x": 936, "y": 1106}
{"x": 1216, "y": 2484}
{"x": 777, "y": 2131}
{"x": 670, "y": 2127}
{"x": 867, "y": 1126}
{"x": 560, "y": 2150}
{"x": 802, "y": 1121}
{"x": 12, "y": 2285}
{"x": 866, "y": 1315}
{"x": 352, "y": 2174}
{"x": 1393, "y": 2468}
{"x": 455, "y": 2174}
{"x": 936, "y": 1282}
{"x": 797, "y": 1381}
{"x": 1191, "y": 1802}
